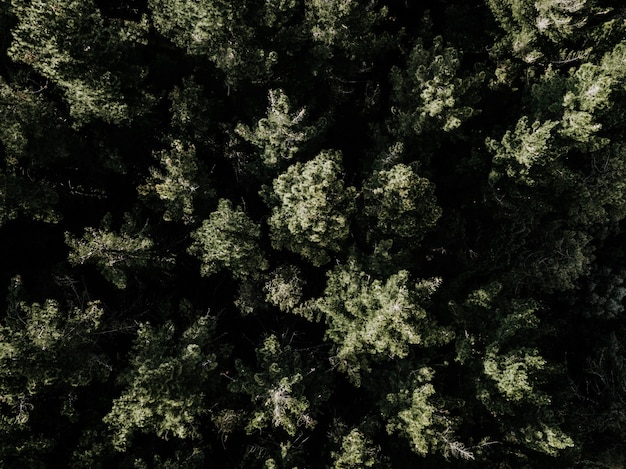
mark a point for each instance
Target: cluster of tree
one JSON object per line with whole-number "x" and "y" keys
{"x": 312, "y": 233}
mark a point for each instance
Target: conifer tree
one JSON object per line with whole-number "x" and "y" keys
{"x": 166, "y": 384}
{"x": 71, "y": 45}
{"x": 331, "y": 233}
{"x": 370, "y": 320}
{"x": 311, "y": 208}
{"x": 228, "y": 239}
{"x": 280, "y": 135}
{"x": 48, "y": 355}
{"x": 113, "y": 254}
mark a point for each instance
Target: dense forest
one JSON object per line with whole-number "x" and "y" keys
{"x": 312, "y": 234}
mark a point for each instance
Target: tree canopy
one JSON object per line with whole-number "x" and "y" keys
{"x": 304, "y": 234}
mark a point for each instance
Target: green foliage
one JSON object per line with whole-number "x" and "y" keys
{"x": 30, "y": 123}
{"x": 295, "y": 168}
{"x": 218, "y": 30}
{"x": 279, "y": 385}
{"x": 48, "y": 353}
{"x": 311, "y": 208}
{"x": 604, "y": 375}
{"x": 112, "y": 253}
{"x": 228, "y": 239}
{"x": 523, "y": 149}
{"x": 250, "y": 297}
{"x": 357, "y": 451}
{"x": 562, "y": 266}
{"x": 70, "y": 44}
{"x": 432, "y": 93}
{"x": 604, "y": 292}
{"x": 191, "y": 112}
{"x": 559, "y": 20}
{"x": 402, "y": 203}
{"x": 284, "y": 288}
{"x": 165, "y": 385}
{"x": 511, "y": 374}
{"x": 412, "y": 411}
{"x": 20, "y": 195}
{"x": 176, "y": 184}
{"x": 286, "y": 390}
{"x": 39, "y": 342}
{"x": 280, "y": 135}
{"x": 517, "y": 374}
{"x": 416, "y": 417}
{"x": 373, "y": 320}
{"x": 194, "y": 459}
{"x": 509, "y": 325}
{"x": 278, "y": 12}
{"x": 31, "y": 137}
{"x": 344, "y": 25}
{"x": 548, "y": 171}
{"x": 516, "y": 17}
{"x": 546, "y": 438}
{"x": 533, "y": 28}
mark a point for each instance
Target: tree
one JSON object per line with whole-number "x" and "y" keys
{"x": 191, "y": 113}
{"x": 32, "y": 137}
{"x": 370, "y": 320}
{"x": 411, "y": 412}
{"x": 280, "y": 135}
{"x": 535, "y": 30}
{"x": 322, "y": 233}
{"x": 71, "y": 45}
{"x": 286, "y": 390}
{"x": 217, "y": 30}
{"x": 284, "y": 287}
{"x": 345, "y": 28}
{"x": 165, "y": 385}
{"x": 432, "y": 93}
{"x": 48, "y": 355}
{"x": 599, "y": 401}
{"x": 113, "y": 253}
{"x": 402, "y": 203}
{"x": 228, "y": 239}
{"x": 311, "y": 208}
{"x": 176, "y": 185}
{"x": 551, "y": 164}
{"x": 357, "y": 450}
{"x": 516, "y": 373}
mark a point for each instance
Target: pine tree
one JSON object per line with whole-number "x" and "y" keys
{"x": 114, "y": 254}
{"x": 228, "y": 239}
{"x": 71, "y": 45}
{"x": 371, "y": 320}
{"x": 311, "y": 208}
{"x": 165, "y": 385}
{"x": 48, "y": 356}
